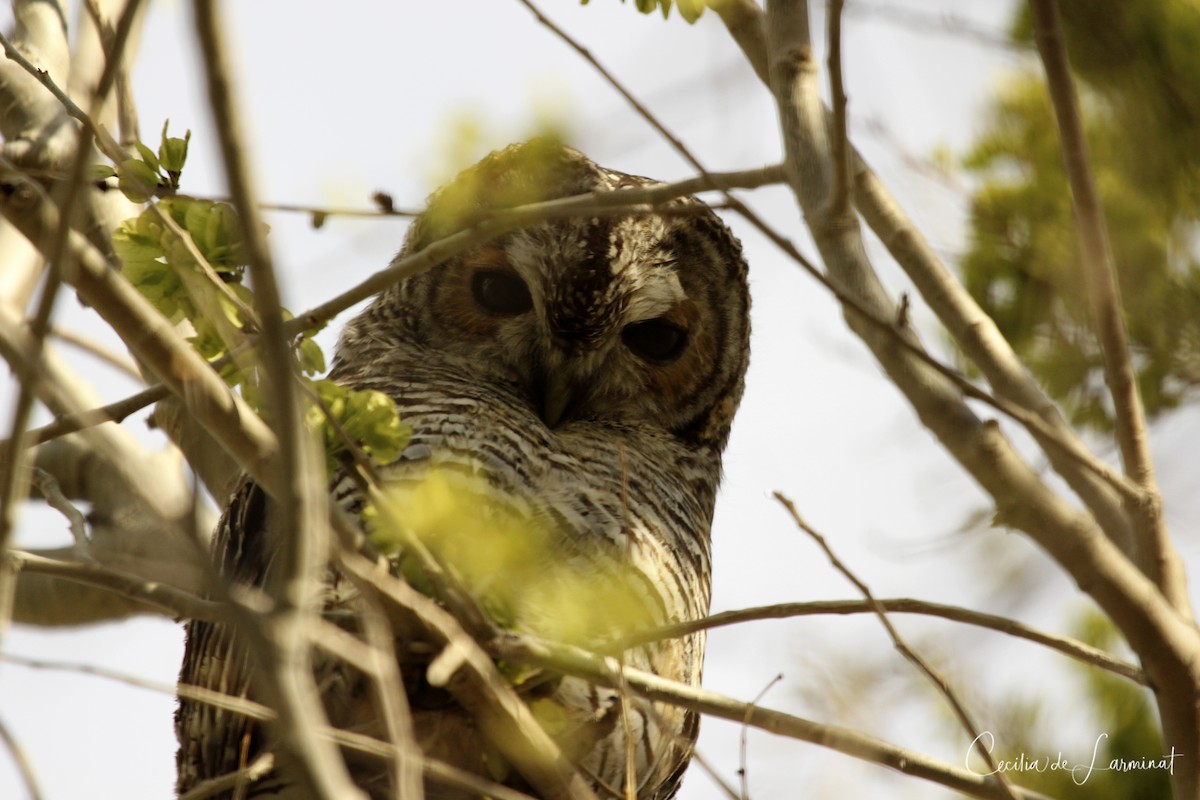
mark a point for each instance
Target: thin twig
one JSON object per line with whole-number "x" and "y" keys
{"x": 127, "y": 121}
{"x": 640, "y": 200}
{"x": 603, "y": 671}
{"x": 113, "y": 412}
{"x": 840, "y": 197}
{"x": 148, "y": 334}
{"x": 701, "y": 761}
{"x": 104, "y": 140}
{"x": 975, "y": 332}
{"x": 743, "y": 737}
{"x": 333, "y": 211}
{"x": 390, "y": 698}
{"x": 302, "y": 502}
{"x": 24, "y": 766}
{"x": 213, "y": 281}
{"x": 255, "y": 771}
{"x": 168, "y": 600}
{"x": 89, "y": 345}
{"x": 437, "y": 771}
{"x": 936, "y": 678}
{"x": 54, "y": 497}
{"x": 741, "y": 14}
{"x": 1071, "y": 648}
{"x": 642, "y": 111}
{"x": 474, "y": 681}
{"x": 1052, "y": 438}
{"x": 947, "y": 24}
{"x": 1156, "y": 553}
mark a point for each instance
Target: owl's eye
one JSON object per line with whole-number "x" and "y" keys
{"x": 500, "y": 292}
{"x": 655, "y": 340}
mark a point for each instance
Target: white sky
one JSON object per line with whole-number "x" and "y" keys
{"x": 342, "y": 103}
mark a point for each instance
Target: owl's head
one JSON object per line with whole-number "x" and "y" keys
{"x": 626, "y": 320}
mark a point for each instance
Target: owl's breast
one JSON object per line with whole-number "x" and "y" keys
{"x": 590, "y": 491}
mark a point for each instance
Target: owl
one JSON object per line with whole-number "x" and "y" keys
{"x": 576, "y": 378}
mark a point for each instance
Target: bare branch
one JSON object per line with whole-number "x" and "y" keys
{"x": 284, "y": 674}
{"x": 158, "y": 596}
{"x": 840, "y": 197}
{"x": 747, "y": 25}
{"x": 105, "y": 140}
{"x": 322, "y": 212}
{"x": 24, "y": 768}
{"x": 742, "y": 737}
{"x": 48, "y": 487}
{"x": 622, "y": 202}
{"x": 1071, "y": 648}
{"x": 975, "y": 332}
{"x": 150, "y": 336}
{"x": 255, "y": 771}
{"x": 1155, "y": 553}
{"x": 604, "y": 671}
{"x": 474, "y": 681}
{"x": 940, "y": 683}
{"x": 1166, "y": 641}
{"x": 113, "y": 412}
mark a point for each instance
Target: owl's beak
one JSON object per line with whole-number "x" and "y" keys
{"x": 556, "y": 397}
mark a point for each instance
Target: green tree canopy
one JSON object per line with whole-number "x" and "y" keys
{"x": 1138, "y": 66}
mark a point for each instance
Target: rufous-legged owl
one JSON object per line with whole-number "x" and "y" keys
{"x": 575, "y": 378}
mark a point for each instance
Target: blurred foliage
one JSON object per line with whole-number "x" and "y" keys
{"x": 1123, "y": 760}
{"x": 690, "y": 10}
{"x": 527, "y": 576}
{"x": 1138, "y": 72}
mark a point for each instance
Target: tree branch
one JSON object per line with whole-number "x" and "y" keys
{"x": 1069, "y": 647}
{"x": 1167, "y": 643}
{"x": 282, "y": 640}
{"x": 621, "y": 202}
{"x": 841, "y": 199}
{"x": 974, "y": 331}
{"x": 475, "y": 682}
{"x": 151, "y": 337}
{"x": 936, "y": 678}
{"x": 35, "y": 128}
{"x": 607, "y": 671}
{"x": 1155, "y": 552}
{"x": 161, "y": 597}
{"x": 24, "y": 767}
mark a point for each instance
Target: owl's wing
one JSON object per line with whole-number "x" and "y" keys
{"x": 215, "y": 741}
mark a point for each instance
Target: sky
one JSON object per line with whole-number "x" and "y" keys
{"x": 398, "y": 96}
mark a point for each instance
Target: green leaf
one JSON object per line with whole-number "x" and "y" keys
{"x": 367, "y": 417}
{"x": 173, "y": 151}
{"x": 148, "y": 156}
{"x": 100, "y": 172}
{"x": 311, "y": 357}
{"x": 137, "y": 180}
{"x": 690, "y": 10}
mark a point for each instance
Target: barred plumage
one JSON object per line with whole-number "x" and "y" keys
{"x": 580, "y": 374}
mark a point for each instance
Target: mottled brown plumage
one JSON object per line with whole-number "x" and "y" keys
{"x": 578, "y": 376}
